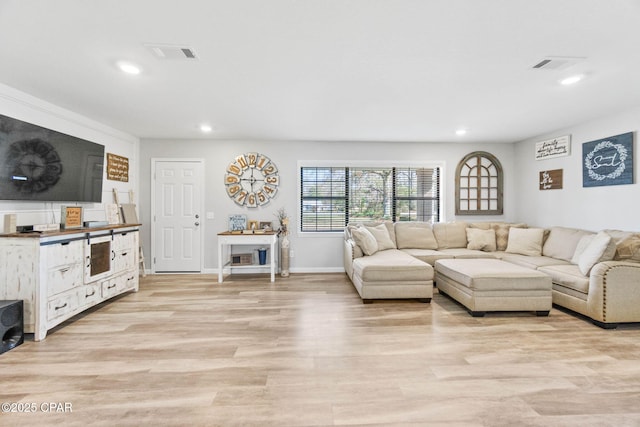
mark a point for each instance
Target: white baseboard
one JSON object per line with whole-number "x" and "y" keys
{"x": 262, "y": 270}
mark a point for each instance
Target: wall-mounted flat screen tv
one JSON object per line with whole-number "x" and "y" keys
{"x": 44, "y": 165}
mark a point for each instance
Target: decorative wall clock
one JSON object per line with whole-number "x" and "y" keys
{"x": 252, "y": 180}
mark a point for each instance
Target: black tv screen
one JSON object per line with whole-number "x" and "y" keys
{"x": 41, "y": 164}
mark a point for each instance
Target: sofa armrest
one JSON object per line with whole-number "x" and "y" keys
{"x": 614, "y": 292}
{"x": 351, "y": 252}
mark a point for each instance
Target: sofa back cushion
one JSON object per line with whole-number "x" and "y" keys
{"x": 415, "y": 235}
{"x": 450, "y": 234}
{"x": 525, "y": 241}
{"x": 562, "y": 242}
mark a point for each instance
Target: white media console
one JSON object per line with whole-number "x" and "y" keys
{"x": 60, "y": 274}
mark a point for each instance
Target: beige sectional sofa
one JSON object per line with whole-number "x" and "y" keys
{"x": 594, "y": 274}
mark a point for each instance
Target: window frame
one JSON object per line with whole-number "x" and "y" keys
{"x": 363, "y": 164}
{"x": 477, "y": 156}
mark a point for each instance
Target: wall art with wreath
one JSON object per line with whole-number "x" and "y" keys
{"x": 608, "y": 161}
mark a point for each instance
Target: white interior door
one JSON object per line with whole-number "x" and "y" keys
{"x": 177, "y": 216}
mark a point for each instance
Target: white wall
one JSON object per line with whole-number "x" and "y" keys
{"x": 315, "y": 253}
{"x": 592, "y": 208}
{"x": 22, "y": 106}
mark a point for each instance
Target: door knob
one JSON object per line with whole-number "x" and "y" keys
{"x": 197, "y": 224}
{"x": 197, "y": 216}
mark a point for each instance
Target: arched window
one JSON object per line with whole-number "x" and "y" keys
{"x": 479, "y": 185}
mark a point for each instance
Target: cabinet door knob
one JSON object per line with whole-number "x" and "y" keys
{"x": 197, "y": 224}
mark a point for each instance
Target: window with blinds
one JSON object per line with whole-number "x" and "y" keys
{"x": 331, "y": 197}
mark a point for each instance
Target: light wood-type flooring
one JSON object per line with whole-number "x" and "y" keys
{"x": 305, "y": 351}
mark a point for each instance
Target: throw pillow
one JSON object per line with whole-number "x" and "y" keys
{"x": 594, "y": 252}
{"x": 582, "y": 245}
{"x": 502, "y": 233}
{"x": 365, "y": 240}
{"x": 525, "y": 241}
{"x": 415, "y": 236}
{"x": 482, "y": 240}
{"x": 627, "y": 245}
{"x": 381, "y": 234}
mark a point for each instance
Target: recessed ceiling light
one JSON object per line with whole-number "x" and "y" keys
{"x": 206, "y": 128}
{"x": 461, "y": 132}
{"x": 129, "y": 68}
{"x": 572, "y": 80}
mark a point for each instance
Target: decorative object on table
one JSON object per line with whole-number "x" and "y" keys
{"x": 262, "y": 256}
{"x": 556, "y": 147}
{"x": 241, "y": 259}
{"x": 283, "y": 232}
{"x": 608, "y": 161}
{"x": 253, "y": 226}
{"x": 252, "y": 180}
{"x": 266, "y": 225}
{"x": 71, "y": 217}
{"x": 237, "y": 223}
{"x": 550, "y": 180}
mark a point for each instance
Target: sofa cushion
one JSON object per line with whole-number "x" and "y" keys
{"x": 381, "y": 234}
{"x": 429, "y": 256}
{"x": 533, "y": 262}
{"x": 600, "y": 248}
{"x": 627, "y": 245}
{"x": 450, "y": 234}
{"x": 392, "y": 265}
{"x": 562, "y": 242}
{"x": 481, "y": 240}
{"x": 415, "y": 235}
{"x": 525, "y": 241}
{"x": 363, "y": 238}
{"x": 464, "y": 253}
{"x": 569, "y": 276}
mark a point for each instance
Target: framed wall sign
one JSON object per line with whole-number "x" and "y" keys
{"x": 551, "y": 148}
{"x": 117, "y": 168}
{"x": 608, "y": 161}
{"x": 550, "y": 180}
{"x": 71, "y": 217}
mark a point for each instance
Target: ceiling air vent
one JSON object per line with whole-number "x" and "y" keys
{"x": 166, "y": 51}
{"x": 557, "y": 62}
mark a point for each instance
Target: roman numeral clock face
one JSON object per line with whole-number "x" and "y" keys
{"x": 252, "y": 180}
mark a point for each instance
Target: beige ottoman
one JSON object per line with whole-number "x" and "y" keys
{"x": 392, "y": 274}
{"x": 483, "y": 285}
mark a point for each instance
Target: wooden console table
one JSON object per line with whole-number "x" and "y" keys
{"x": 228, "y": 239}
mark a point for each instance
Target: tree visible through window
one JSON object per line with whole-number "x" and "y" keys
{"x": 331, "y": 197}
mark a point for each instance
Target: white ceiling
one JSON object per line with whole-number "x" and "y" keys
{"x": 340, "y": 70}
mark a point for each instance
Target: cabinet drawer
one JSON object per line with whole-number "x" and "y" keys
{"x": 62, "y": 304}
{"x": 63, "y": 253}
{"x": 109, "y": 288}
{"x": 64, "y": 278}
{"x": 89, "y": 295}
